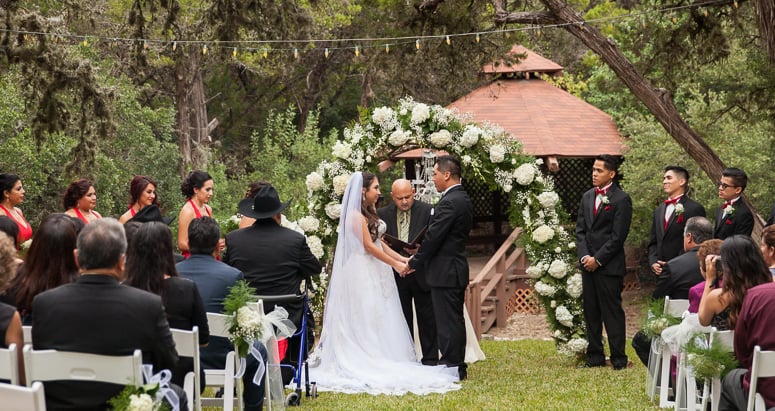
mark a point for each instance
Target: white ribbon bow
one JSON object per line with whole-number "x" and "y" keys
{"x": 276, "y": 320}
{"x": 163, "y": 379}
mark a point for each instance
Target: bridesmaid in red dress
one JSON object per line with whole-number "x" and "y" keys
{"x": 13, "y": 195}
{"x": 80, "y": 199}
{"x": 142, "y": 193}
{"x": 198, "y": 190}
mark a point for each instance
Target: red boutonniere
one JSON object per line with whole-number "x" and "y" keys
{"x": 728, "y": 222}
{"x": 679, "y": 219}
{"x": 606, "y": 208}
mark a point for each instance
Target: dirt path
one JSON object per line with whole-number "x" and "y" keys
{"x": 521, "y": 326}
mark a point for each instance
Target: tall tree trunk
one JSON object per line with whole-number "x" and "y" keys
{"x": 182, "y": 104}
{"x": 765, "y": 14}
{"x": 191, "y": 118}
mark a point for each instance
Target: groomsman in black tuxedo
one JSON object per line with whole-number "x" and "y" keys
{"x": 604, "y": 219}
{"x": 442, "y": 255}
{"x": 733, "y": 217}
{"x": 666, "y": 239}
{"x": 405, "y": 219}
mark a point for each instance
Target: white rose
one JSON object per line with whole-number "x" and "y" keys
{"x": 383, "y": 115}
{"x": 524, "y": 174}
{"x": 314, "y": 181}
{"x": 309, "y": 223}
{"x": 571, "y": 245}
{"x": 341, "y": 150}
{"x": 497, "y": 153}
{"x": 557, "y": 250}
{"x": 333, "y": 210}
{"x": 534, "y": 271}
{"x": 564, "y": 316}
{"x": 470, "y": 136}
{"x": 507, "y": 188}
{"x": 420, "y": 113}
{"x": 248, "y": 318}
{"x": 558, "y": 269}
{"x": 315, "y": 246}
{"x": 399, "y": 137}
{"x": 340, "y": 184}
{"x": 440, "y": 138}
{"x": 543, "y": 234}
{"x": 141, "y": 402}
{"x": 548, "y": 199}
{"x": 553, "y": 303}
{"x": 466, "y": 159}
{"x": 574, "y": 285}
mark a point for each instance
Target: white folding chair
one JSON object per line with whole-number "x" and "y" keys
{"x": 9, "y": 364}
{"x": 49, "y": 365}
{"x": 187, "y": 345}
{"x": 762, "y": 366}
{"x": 219, "y": 327}
{"x": 27, "y": 331}
{"x": 660, "y": 375}
{"x": 16, "y": 398}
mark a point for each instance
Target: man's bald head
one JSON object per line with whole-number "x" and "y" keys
{"x": 402, "y": 194}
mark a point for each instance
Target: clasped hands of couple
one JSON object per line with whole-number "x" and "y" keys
{"x": 405, "y": 269}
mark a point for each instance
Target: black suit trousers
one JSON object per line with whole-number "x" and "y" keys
{"x": 602, "y": 296}
{"x": 408, "y": 289}
{"x": 451, "y": 330}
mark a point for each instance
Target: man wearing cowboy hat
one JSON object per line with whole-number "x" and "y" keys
{"x": 273, "y": 259}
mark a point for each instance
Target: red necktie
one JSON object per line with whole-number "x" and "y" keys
{"x": 672, "y": 201}
{"x": 726, "y": 204}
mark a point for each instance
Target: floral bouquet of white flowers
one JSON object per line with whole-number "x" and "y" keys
{"x": 142, "y": 398}
{"x": 709, "y": 361}
{"x": 246, "y": 326}
{"x": 657, "y": 319}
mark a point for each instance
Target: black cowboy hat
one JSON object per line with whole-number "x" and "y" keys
{"x": 151, "y": 213}
{"x": 265, "y": 204}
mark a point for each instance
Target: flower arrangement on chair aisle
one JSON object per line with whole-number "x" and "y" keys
{"x": 488, "y": 154}
{"x": 142, "y": 398}
{"x": 246, "y": 325}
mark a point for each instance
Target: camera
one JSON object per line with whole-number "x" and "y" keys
{"x": 719, "y": 268}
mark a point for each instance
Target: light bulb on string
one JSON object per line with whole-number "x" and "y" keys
{"x": 357, "y": 51}
{"x": 477, "y": 37}
{"x": 705, "y": 12}
{"x": 266, "y": 53}
{"x": 538, "y": 32}
{"x": 296, "y": 53}
{"x": 145, "y": 45}
{"x": 174, "y": 45}
{"x": 449, "y": 42}
{"x": 204, "y": 50}
{"x": 85, "y": 42}
{"x": 735, "y": 3}
{"x": 417, "y": 44}
{"x": 387, "y": 49}
{"x": 234, "y": 52}
{"x": 326, "y": 52}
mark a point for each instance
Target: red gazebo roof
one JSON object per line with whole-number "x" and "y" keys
{"x": 531, "y": 63}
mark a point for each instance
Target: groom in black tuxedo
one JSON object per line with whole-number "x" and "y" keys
{"x": 602, "y": 226}
{"x": 667, "y": 228}
{"x": 733, "y": 217}
{"x": 405, "y": 219}
{"x": 442, "y": 255}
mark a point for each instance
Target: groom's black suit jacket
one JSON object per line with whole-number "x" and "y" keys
{"x": 443, "y": 252}
{"x": 421, "y": 214}
{"x": 741, "y": 222}
{"x": 664, "y": 245}
{"x": 602, "y": 236}
{"x": 98, "y": 315}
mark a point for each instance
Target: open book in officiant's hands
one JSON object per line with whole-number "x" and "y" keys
{"x": 399, "y": 245}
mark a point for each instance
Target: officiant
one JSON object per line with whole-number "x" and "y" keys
{"x": 406, "y": 218}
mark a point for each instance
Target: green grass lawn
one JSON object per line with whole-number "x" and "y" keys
{"x": 517, "y": 375}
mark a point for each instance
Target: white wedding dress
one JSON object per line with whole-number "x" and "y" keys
{"x": 365, "y": 345}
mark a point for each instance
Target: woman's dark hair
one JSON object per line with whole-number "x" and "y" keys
{"x": 9, "y": 227}
{"x": 149, "y": 257}
{"x": 75, "y": 191}
{"x": 195, "y": 179}
{"x": 254, "y": 187}
{"x": 137, "y": 186}
{"x": 372, "y": 218}
{"x": 768, "y": 236}
{"x": 7, "y": 181}
{"x": 744, "y": 268}
{"x": 50, "y": 261}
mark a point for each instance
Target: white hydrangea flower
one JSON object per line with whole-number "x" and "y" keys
{"x": 440, "y": 138}
{"x": 507, "y": 188}
{"x": 314, "y": 181}
{"x": 543, "y": 234}
{"x": 341, "y": 150}
{"x": 470, "y": 136}
{"x": 309, "y": 224}
{"x": 571, "y": 245}
{"x": 333, "y": 210}
{"x": 399, "y": 137}
{"x": 524, "y": 174}
{"x": 574, "y": 285}
{"x": 547, "y": 290}
{"x": 340, "y": 184}
{"x": 577, "y": 345}
{"x": 420, "y": 113}
{"x": 497, "y": 153}
{"x": 140, "y": 402}
{"x": 315, "y": 246}
{"x": 557, "y": 250}
{"x": 383, "y": 116}
{"x": 553, "y": 303}
{"x": 548, "y": 199}
{"x": 558, "y": 269}
{"x": 248, "y": 318}
{"x": 534, "y": 271}
{"x": 563, "y": 316}
{"x": 466, "y": 159}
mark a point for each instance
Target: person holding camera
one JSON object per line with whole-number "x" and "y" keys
{"x": 742, "y": 267}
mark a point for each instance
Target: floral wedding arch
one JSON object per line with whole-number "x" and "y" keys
{"x": 487, "y": 154}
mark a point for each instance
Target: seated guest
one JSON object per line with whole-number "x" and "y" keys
{"x": 753, "y": 327}
{"x": 98, "y": 315}
{"x": 710, "y": 247}
{"x": 742, "y": 267}
{"x": 150, "y": 266}
{"x": 10, "y": 321}
{"x": 274, "y": 259}
{"x": 214, "y": 279}
{"x": 677, "y": 275}
{"x": 49, "y": 263}
{"x": 768, "y": 247}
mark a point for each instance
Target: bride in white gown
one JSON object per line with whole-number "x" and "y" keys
{"x": 365, "y": 345}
